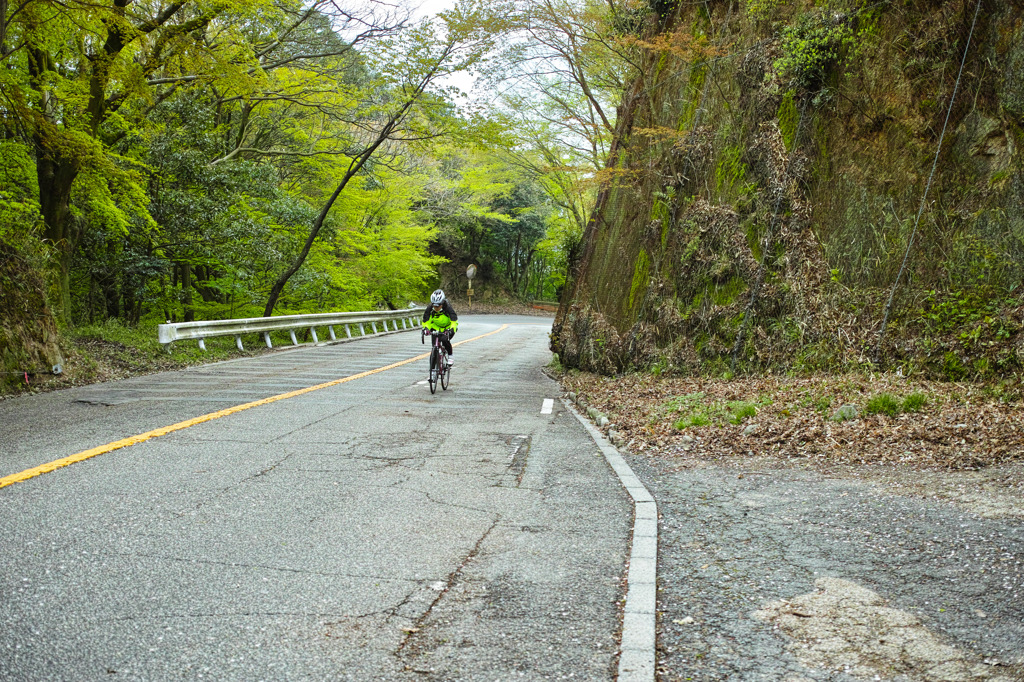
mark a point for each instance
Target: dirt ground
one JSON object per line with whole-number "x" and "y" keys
{"x": 962, "y": 442}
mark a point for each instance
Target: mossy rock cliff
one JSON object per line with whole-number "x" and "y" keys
{"x": 28, "y": 334}
{"x": 770, "y": 232}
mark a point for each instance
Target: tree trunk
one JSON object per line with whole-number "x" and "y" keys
{"x": 56, "y": 176}
{"x": 56, "y": 170}
{"x": 355, "y": 167}
{"x": 186, "y": 291}
{"x": 383, "y": 135}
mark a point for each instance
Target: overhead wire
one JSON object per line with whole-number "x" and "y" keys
{"x": 924, "y": 198}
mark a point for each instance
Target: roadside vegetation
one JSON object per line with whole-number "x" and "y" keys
{"x": 892, "y": 420}
{"x": 112, "y": 350}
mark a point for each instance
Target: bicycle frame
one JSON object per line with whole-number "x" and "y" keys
{"x": 439, "y": 368}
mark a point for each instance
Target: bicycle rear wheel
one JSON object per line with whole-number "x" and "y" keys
{"x": 435, "y": 369}
{"x": 445, "y": 373}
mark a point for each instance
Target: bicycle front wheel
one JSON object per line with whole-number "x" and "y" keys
{"x": 435, "y": 369}
{"x": 445, "y": 373}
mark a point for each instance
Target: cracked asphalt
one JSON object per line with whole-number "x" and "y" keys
{"x": 366, "y": 531}
{"x": 372, "y": 531}
{"x": 774, "y": 572}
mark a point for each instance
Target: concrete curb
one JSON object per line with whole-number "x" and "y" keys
{"x": 636, "y": 651}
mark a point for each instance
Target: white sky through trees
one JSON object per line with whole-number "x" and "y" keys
{"x": 423, "y": 9}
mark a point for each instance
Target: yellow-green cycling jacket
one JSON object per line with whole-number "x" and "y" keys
{"x": 442, "y": 319}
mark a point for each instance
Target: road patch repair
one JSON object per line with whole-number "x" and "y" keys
{"x": 845, "y": 627}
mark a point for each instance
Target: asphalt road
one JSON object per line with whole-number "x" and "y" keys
{"x": 373, "y": 531}
{"x": 771, "y": 572}
{"x": 365, "y": 531}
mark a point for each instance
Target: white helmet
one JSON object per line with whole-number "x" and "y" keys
{"x": 437, "y": 298}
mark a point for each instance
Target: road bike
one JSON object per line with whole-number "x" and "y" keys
{"x": 440, "y": 367}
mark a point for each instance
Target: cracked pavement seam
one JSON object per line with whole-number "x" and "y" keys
{"x": 452, "y": 578}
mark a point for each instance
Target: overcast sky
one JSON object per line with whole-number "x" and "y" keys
{"x": 427, "y": 8}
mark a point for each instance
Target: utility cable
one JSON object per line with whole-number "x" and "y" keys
{"x": 924, "y": 199}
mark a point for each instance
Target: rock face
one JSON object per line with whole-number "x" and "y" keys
{"x": 763, "y": 200}
{"x": 28, "y": 333}
{"x": 845, "y": 413}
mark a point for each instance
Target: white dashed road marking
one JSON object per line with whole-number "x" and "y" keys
{"x": 546, "y": 407}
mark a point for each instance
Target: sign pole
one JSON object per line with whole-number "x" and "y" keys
{"x": 470, "y": 273}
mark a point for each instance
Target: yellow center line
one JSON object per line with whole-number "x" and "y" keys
{"x": 163, "y": 431}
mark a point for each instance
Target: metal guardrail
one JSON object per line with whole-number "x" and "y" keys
{"x": 181, "y": 331}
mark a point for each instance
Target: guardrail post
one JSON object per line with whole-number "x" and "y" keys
{"x": 348, "y": 332}
{"x": 373, "y": 325}
{"x": 330, "y": 330}
{"x": 202, "y": 345}
{"x": 312, "y": 332}
{"x": 295, "y": 341}
{"x": 362, "y": 331}
{"x": 266, "y": 337}
{"x": 238, "y": 341}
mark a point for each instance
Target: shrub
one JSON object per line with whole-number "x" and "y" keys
{"x": 812, "y": 45}
{"x": 914, "y": 402}
{"x": 883, "y": 403}
{"x": 739, "y": 411}
{"x": 762, "y": 10}
{"x": 695, "y": 419}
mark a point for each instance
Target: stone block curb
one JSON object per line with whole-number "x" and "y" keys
{"x": 636, "y": 651}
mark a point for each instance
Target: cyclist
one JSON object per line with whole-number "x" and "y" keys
{"x": 441, "y": 316}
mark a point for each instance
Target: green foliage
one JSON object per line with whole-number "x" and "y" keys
{"x": 698, "y": 76}
{"x": 695, "y": 412}
{"x": 492, "y": 213}
{"x": 883, "y": 403}
{"x": 196, "y": 155}
{"x": 976, "y": 261}
{"x": 730, "y": 171}
{"x": 914, "y": 402}
{"x": 953, "y": 367}
{"x": 136, "y": 346}
{"x": 972, "y": 315}
{"x": 726, "y": 293}
{"x": 789, "y": 119}
{"x": 555, "y": 365}
{"x": 740, "y": 410}
{"x": 762, "y": 10}
{"x": 696, "y": 418}
{"x": 19, "y": 208}
{"x": 821, "y": 403}
{"x": 677, "y": 404}
{"x": 659, "y": 366}
{"x": 817, "y": 41}
{"x": 890, "y": 405}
